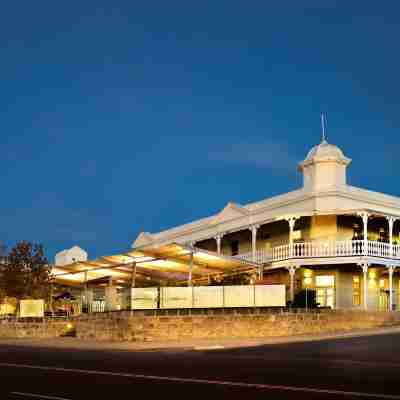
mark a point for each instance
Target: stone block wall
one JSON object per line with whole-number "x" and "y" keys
{"x": 38, "y": 330}
{"x": 174, "y": 325}
{"x": 126, "y": 326}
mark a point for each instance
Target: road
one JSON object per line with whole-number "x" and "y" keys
{"x": 352, "y": 368}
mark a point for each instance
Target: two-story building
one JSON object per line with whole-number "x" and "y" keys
{"x": 338, "y": 239}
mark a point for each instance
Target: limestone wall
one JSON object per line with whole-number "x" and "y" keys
{"x": 40, "y": 330}
{"x": 213, "y": 323}
{"x": 139, "y": 327}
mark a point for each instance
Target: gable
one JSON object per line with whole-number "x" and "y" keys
{"x": 230, "y": 211}
{"x": 142, "y": 239}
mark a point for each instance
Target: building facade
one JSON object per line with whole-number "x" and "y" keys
{"x": 340, "y": 240}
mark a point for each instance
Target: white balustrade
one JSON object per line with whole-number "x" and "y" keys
{"x": 262, "y": 256}
{"x": 322, "y": 249}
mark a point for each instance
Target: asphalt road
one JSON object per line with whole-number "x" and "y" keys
{"x": 353, "y": 368}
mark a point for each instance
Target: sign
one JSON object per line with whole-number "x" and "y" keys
{"x": 7, "y": 308}
{"x": 31, "y": 308}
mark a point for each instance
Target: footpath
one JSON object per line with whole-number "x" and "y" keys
{"x": 192, "y": 345}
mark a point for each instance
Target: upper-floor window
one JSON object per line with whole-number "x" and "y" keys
{"x": 235, "y": 247}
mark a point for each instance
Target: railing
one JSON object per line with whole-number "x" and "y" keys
{"x": 262, "y": 256}
{"x": 345, "y": 248}
{"x": 335, "y": 249}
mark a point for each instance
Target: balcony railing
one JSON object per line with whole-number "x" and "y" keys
{"x": 262, "y": 256}
{"x": 346, "y": 248}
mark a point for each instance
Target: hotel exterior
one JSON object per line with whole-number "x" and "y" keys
{"x": 338, "y": 239}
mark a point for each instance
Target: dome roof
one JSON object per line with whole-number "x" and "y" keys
{"x": 325, "y": 152}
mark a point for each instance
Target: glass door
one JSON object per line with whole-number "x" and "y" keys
{"x": 325, "y": 288}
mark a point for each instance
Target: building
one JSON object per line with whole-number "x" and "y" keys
{"x": 341, "y": 240}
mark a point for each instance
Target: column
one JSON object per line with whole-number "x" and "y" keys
{"x": 391, "y": 269}
{"x": 364, "y": 216}
{"x": 190, "y": 268}
{"x": 253, "y": 229}
{"x": 391, "y": 223}
{"x": 87, "y": 294}
{"x": 133, "y": 285}
{"x": 110, "y": 295}
{"x": 85, "y": 303}
{"x": 292, "y": 272}
{"x": 261, "y": 272}
{"x": 292, "y": 222}
{"x": 218, "y": 238}
{"x": 364, "y": 267}
{"x": 133, "y": 276}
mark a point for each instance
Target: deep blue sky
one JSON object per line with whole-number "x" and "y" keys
{"x": 122, "y": 116}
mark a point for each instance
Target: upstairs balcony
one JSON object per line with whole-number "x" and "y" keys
{"x": 325, "y": 249}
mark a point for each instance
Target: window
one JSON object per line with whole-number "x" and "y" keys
{"x": 235, "y": 247}
{"x": 356, "y": 291}
{"x": 325, "y": 280}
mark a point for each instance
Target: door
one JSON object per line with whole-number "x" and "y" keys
{"x": 325, "y": 288}
{"x": 326, "y": 297}
{"x": 384, "y": 300}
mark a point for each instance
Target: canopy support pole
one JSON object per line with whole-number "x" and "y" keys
{"x": 190, "y": 268}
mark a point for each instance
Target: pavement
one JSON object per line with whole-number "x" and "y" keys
{"x": 193, "y": 344}
{"x": 364, "y": 364}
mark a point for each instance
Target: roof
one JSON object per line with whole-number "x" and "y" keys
{"x": 325, "y": 152}
{"x": 345, "y": 199}
{"x": 154, "y": 264}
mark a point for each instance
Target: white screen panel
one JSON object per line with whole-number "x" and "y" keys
{"x": 176, "y": 297}
{"x": 208, "y": 296}
{"x": 144, "y": 298}
{"x": 239, "y": 296}
{"x": 270, "y": 295}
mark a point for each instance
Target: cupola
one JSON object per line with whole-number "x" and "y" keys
{"x": 324, "y": 167}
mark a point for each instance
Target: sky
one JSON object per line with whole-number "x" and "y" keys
{"x": 120, "y": 117}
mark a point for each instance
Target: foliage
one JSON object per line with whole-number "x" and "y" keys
{"x": 25, "y": 272}
{"x": 239, "y": 279}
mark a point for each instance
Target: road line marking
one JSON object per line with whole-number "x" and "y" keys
{"x": 214, "y": 347}
{"x": 39, "y": 396}
{"x": 206, "y": 381}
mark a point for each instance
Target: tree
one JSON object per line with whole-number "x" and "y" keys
{"x": 2, "y": 261}
{"x": 26, "y": 272}
{"x": 238, "y": 279}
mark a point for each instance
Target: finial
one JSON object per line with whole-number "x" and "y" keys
{"x": 323, "y": 120}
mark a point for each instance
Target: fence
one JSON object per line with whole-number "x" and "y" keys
{"x": 209, "y": 297}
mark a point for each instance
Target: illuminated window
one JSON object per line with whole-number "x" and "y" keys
{"x": 381, "y": 283}
{"x": 325, "y": 280}
{"x": 307, "y": 281}
{"x": 356, "y": 291}
{"x": 307, "y": 273}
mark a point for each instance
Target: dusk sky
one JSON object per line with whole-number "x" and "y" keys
{"x": 123, "y": 116}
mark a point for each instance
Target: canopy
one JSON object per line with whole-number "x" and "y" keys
{"x": 153, "y": 264}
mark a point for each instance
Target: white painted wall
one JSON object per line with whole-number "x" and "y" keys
{"x": 70, "y": 256}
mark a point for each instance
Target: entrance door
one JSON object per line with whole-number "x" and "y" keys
{"x": 384, "y": 300}
{"x": 326, "y": 297}
{"x": 325, "y": 287}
